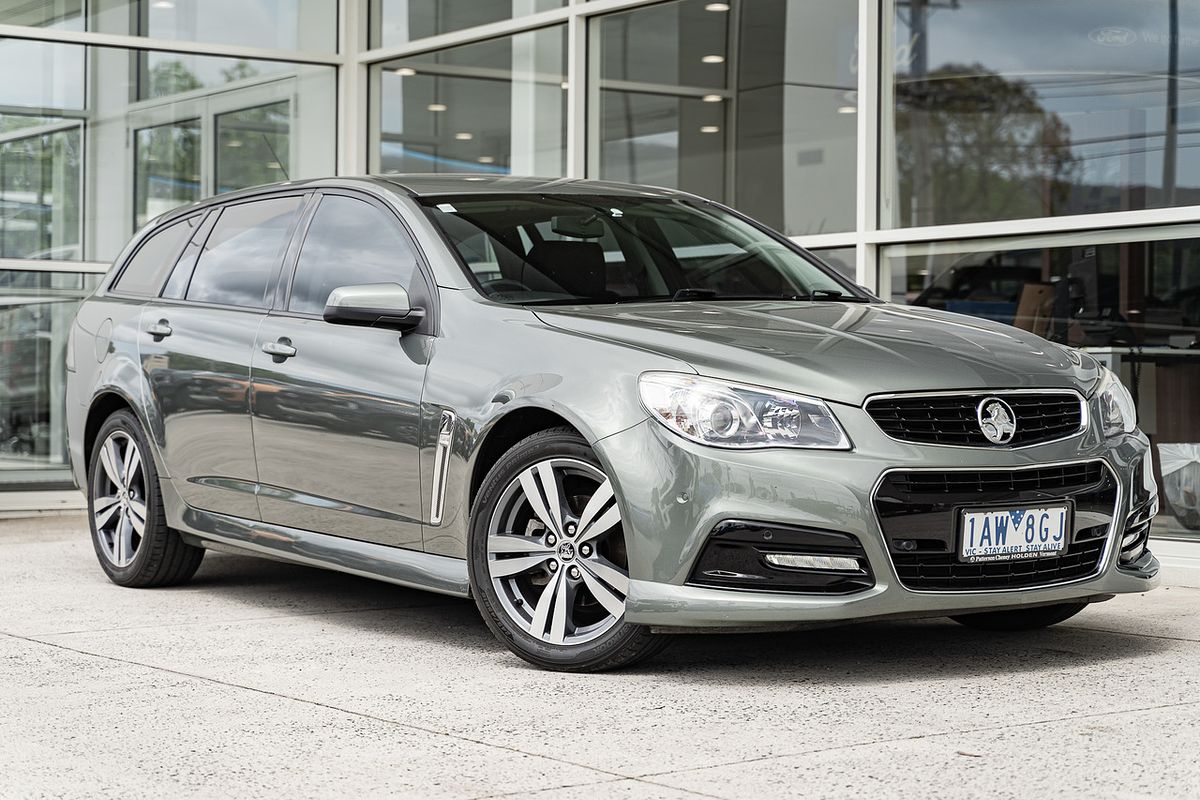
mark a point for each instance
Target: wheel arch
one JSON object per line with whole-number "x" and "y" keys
{"x": 505, "y": 431}
{"x": 105, "y": 403}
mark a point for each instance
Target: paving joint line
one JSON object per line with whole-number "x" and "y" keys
{"x": 317, "y": 703}
{"x": 193, "y": 623}
{"x": 918, "y": 737}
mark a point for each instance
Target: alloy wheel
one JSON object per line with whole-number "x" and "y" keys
{"x": 119, "y": 499}
{"x": 556, "y": 552}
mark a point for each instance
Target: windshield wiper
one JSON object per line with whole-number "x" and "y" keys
{"x": 694, "y": 294}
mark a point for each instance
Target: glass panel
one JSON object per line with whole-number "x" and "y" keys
{"x": 144, "y": 273}
{"x": 40, "y": 161}
{"x": 243, "y": 251}
{"x": 496, "y": 106}
{"x": 606, "y": 249}
{"x": 349, "y": 242}
{"x": 841, "y": 259}
{"x": 1131, "y": 298}
{"x": 398, "y": 21}
{"x": 277, "y": 24}
{"x": 166, "y": 170}
{"x": 1021, "y": 108}
{"x": 252, "y": 146}
{"x": 36, "y": 309}
{"x": 144, "y": 157}
{"x": 672, "y": 86}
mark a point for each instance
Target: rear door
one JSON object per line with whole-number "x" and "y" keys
{"x": 197, "y": 339}
{"x": 336, "y": 423}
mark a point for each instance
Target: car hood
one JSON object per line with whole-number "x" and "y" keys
{"x": 838, "y": 351}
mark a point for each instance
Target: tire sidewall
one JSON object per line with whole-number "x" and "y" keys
{"x": 127, "y": 423}
{"x": 539, "y": 447}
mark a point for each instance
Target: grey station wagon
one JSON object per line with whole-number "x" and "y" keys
{"x": 605, "y": 412}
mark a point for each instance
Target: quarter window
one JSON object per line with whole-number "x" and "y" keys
{"x": 349, "y": 242}
{"x": 144, "y": 273}
{"x": 243, "y": 252}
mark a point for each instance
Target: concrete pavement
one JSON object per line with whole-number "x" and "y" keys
{"x": 266, "y": 679}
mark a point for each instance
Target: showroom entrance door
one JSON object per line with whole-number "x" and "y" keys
{"x": 186, "y": 150}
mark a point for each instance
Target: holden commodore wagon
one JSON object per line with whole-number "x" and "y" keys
{"x": 607, "y": 413}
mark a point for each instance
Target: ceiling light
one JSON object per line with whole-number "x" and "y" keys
{"x": 163, "y": 4}
{"x": 712, "y": 98}
{"x": 436, "y": 107}
{"x": 234, "y": 143}
{"x": 486, "y": 160}
{"x": 464, "y": 136}
{"x": 710, "y": 129}
{"x": 717, "y": 7}
{"x": 713, "y": 59}
{"x": 847, "y": 109}
{"x": 406, "y": 72}
{"x": 565, "y": 85}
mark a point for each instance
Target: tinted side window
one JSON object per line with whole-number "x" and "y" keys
{"x": 243, "y": 252}
{"x": 177, "y": 284}
{"x": 349, "y": 242}
{"x": 144, "y": 273}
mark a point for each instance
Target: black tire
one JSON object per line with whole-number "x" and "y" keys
{"x": 1021, "y": 619}
{"x": 161, "y": 557}
{"x": 620, "y": 646}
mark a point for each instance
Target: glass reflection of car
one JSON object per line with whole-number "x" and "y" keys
{"x": 607, "y": 413}
{"x": 986, "y": 285}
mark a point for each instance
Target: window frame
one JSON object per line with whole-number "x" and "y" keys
{"x": 217, "y": 209}
{"x": 421, "y": 294}
{"x": 113, "y": 286}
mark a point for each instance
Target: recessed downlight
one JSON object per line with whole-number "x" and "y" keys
{"x": 712, "y": 98}
{"x": 436, "y": 107}
{"x": 464, "y": 136}
{"x": 486, "y": 160}
{"x": 406, "y": 72}
{"x": 717, "y": 7}
{"x": 713, "y": 59}
{"x": 710, "y": 129}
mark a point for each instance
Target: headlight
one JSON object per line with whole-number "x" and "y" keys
{"x": 1118, "y": 414}
{"x": 731, "y": 415}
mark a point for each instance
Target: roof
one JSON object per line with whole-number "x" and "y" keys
{"x": 467, "y": 183}
{"x": 416, "y": 185}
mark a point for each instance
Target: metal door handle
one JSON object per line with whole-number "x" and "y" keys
{"x": 159, "y": 329}
{"x": 280, "y": 349}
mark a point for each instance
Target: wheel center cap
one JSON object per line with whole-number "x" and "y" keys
{"x": 566, "y": 551}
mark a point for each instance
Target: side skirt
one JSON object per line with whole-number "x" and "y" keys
{"x": 434, "y": 573}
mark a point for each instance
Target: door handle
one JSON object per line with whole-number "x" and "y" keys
{"x": 280, "y": 350}
{"x": 159, "y": 330}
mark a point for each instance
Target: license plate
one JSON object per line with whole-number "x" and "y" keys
{"x": 1012, "y": 533}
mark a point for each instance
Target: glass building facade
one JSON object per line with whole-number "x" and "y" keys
{"x": 1032, "y": 162}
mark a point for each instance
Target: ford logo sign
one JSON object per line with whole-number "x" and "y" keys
{"x": 1111, "y": 36}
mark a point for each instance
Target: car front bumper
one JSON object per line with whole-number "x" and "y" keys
{"x": 674, "y": 493}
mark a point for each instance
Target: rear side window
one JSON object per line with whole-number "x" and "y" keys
{"x": 243, "y": 252}
{"x": 349, "y": 242}
{"x": 144, "y": 273}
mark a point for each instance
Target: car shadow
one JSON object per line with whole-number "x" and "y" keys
{"x": 859, "y": 653}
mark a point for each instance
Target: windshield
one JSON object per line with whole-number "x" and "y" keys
{"x": 546, "y": 249}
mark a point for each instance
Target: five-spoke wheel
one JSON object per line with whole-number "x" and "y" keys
{"x": 549, "y": 565}
{"x": 556, "y": 557}
{"x": 129, "y": 527}
{"x": 119, "y": 498}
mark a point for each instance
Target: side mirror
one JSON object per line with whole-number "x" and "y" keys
{"x": 377, "y": 305}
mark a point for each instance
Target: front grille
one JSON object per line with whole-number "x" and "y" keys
{"x": 953, "y": 419}
{"x": 919, "y": 513}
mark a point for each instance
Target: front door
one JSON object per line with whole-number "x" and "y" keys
{"x": 336, "y": 408}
